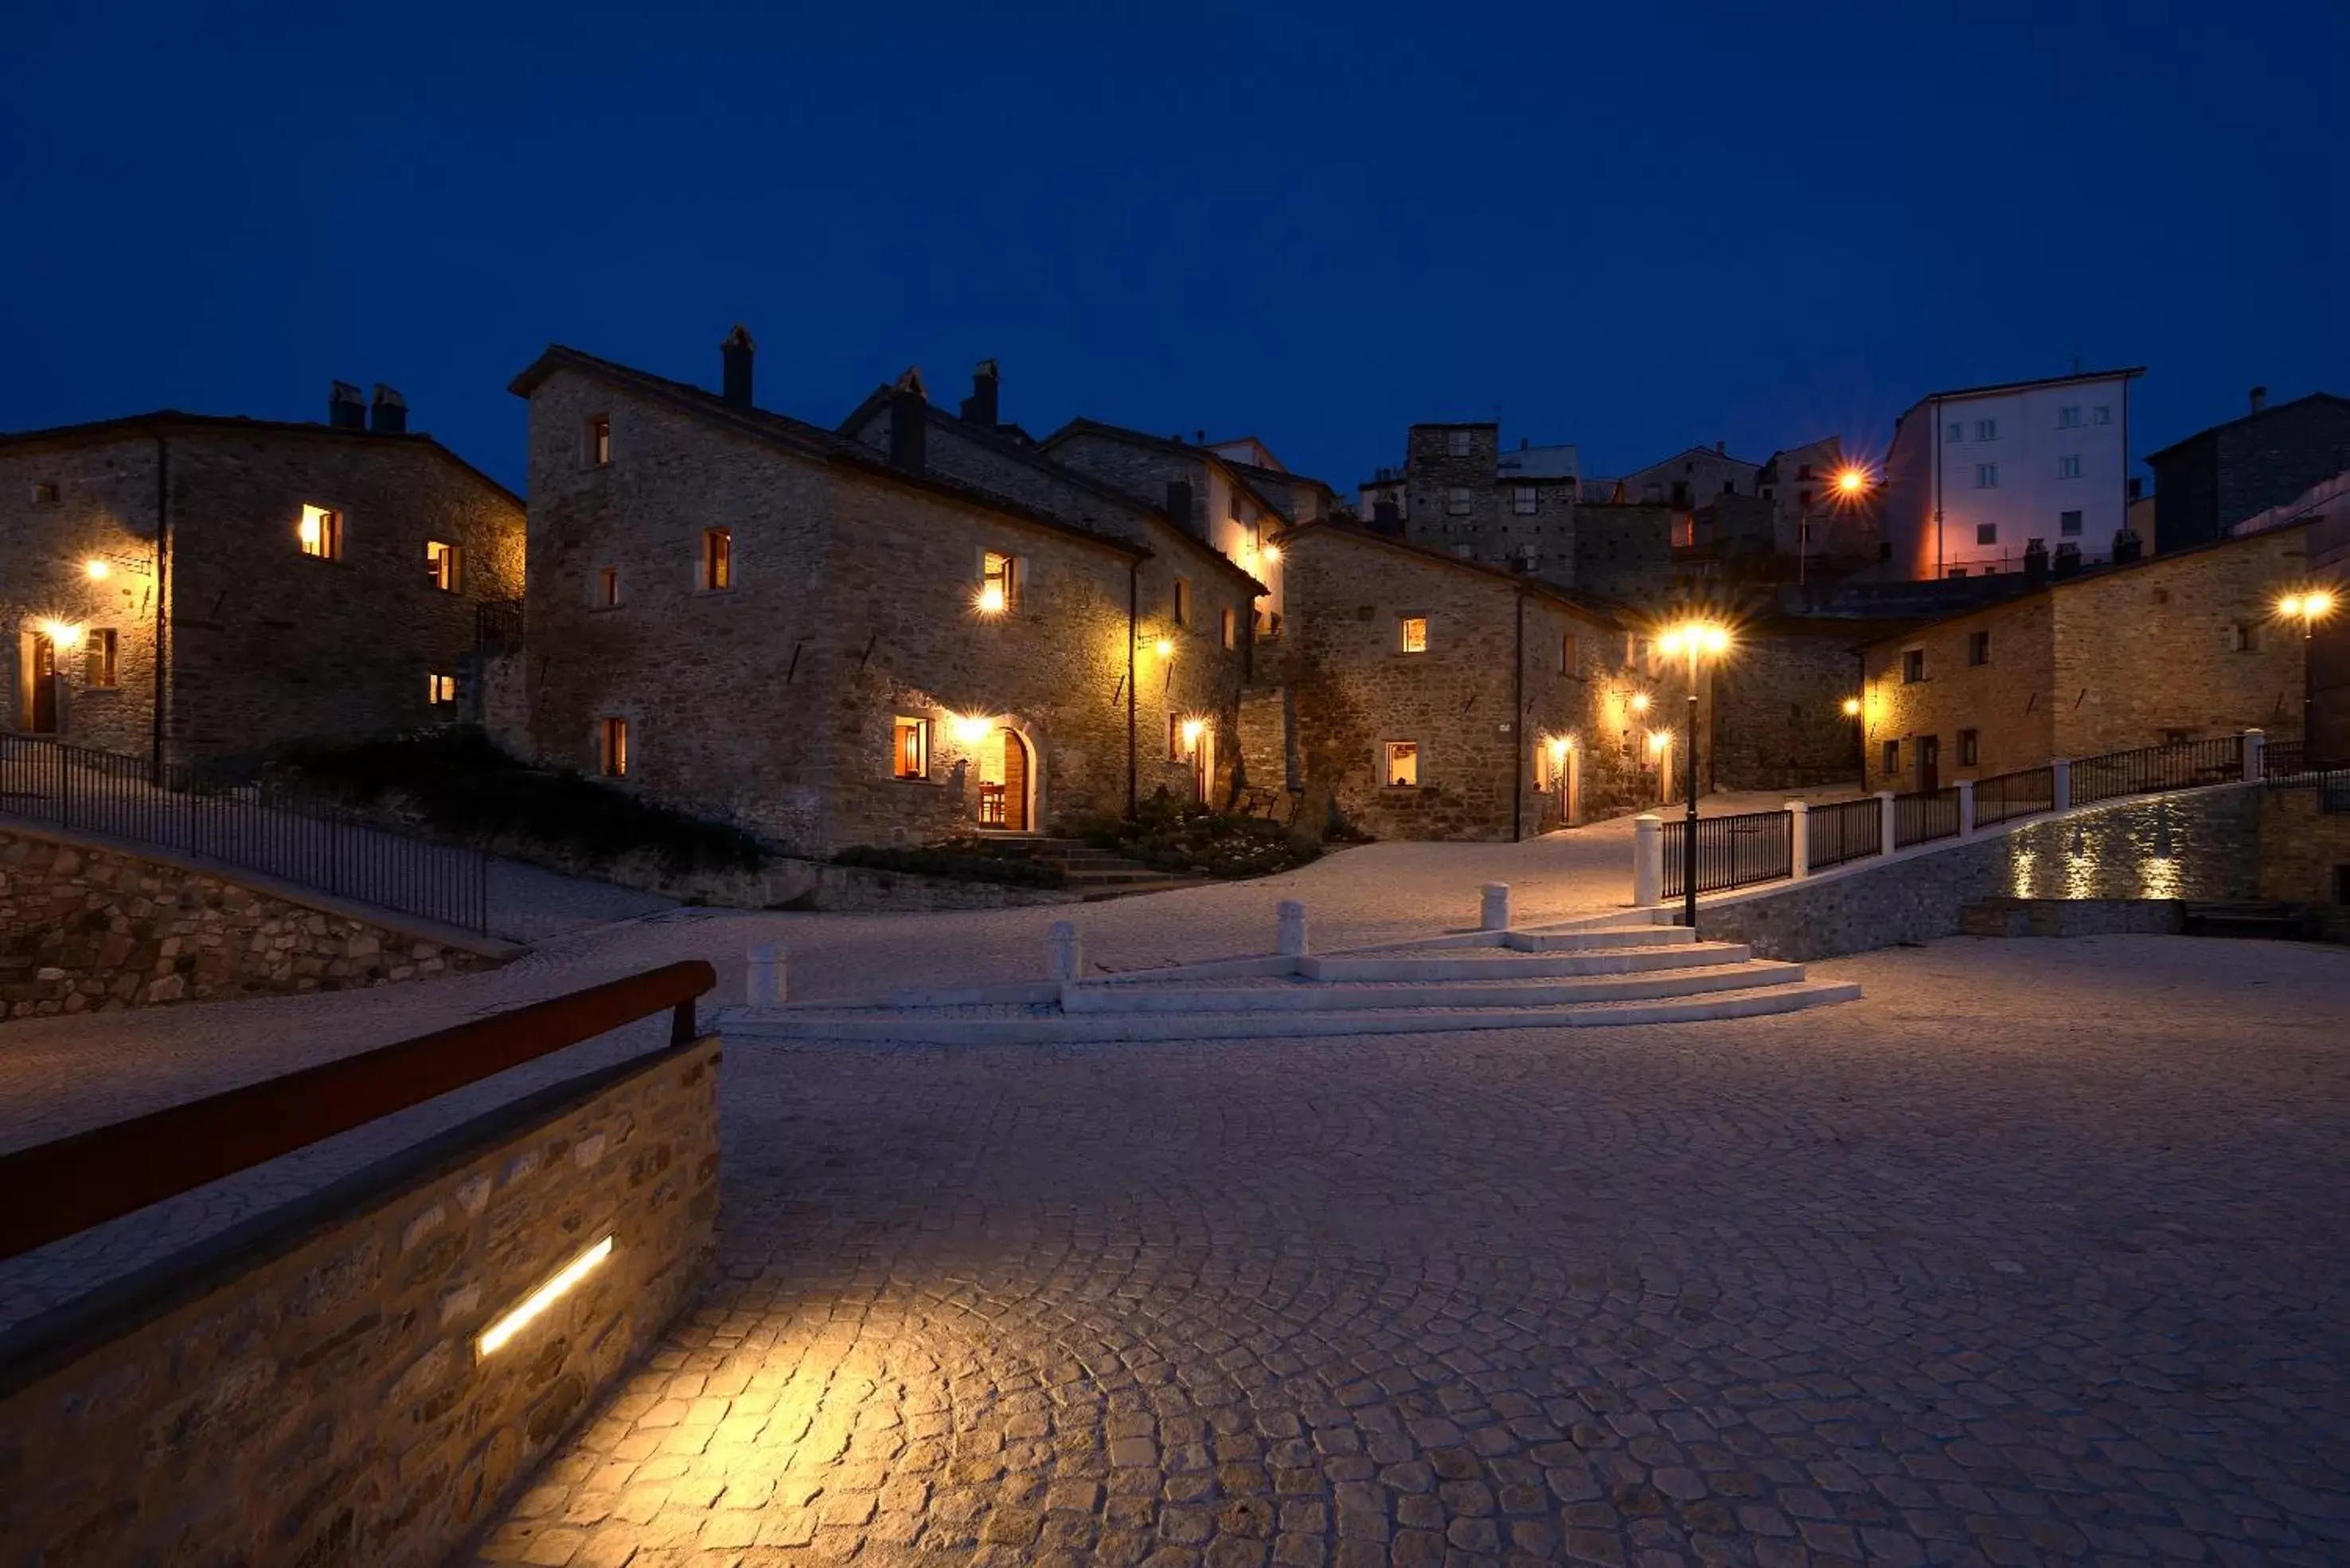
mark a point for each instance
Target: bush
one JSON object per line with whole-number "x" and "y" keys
{"x": 464, "y": 788}
{"x": 965, "y": 859}
{"x": 1167, "y": 834}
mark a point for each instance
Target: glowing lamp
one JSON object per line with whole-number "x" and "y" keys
{"x": 1639, "y": 702}
{"x": 2313, "y": 605}
{"x": 65, "y": 637}
{"x": 1852, "y": 706}
{"x": 1851, "y": 482}
{"x": 990, "y": 599}
{"x": 1658, "y": 740}
{"x": 1164, "y": 647}
{"x": 1559, "y": 746}
{"x": 97, "y": 569}
{"x": 1192, "y": 728}
{"x": 1270, "y": 552}
{"x": 970, "y": 728}
{"x": 494, "y": 1337}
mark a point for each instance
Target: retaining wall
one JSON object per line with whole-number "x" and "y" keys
{"x": 306, "y": 1388}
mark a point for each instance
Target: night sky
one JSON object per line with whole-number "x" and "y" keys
{"x": 1631, "y": 227}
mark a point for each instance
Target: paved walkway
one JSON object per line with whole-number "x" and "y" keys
{"x": 2033, "y": 1255}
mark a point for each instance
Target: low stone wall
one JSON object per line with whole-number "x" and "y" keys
{"x": 2303, "y": 848}
{"x": 2196, "y": 845}
{"x": 2073, "y": 918}
{"x": 791, "y": 884}
{"x": 307, "y": 1388}
{"x": 84, "y": 927}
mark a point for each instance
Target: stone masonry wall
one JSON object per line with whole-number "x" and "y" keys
{"x": 2008, "y": 701}
{"x": 2305, "y": 855}
{"x": 88, "y": 930}
{"x": 307, "y": 1388}
{"x": 2199, "y": 845}
{"x": 1779, "y": 721}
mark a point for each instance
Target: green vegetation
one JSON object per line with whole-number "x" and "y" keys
{"x": 1167, "y": 834}
{"x": 965, "y": 859}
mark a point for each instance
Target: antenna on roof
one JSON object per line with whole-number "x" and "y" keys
{"x": 2076, "y": 358}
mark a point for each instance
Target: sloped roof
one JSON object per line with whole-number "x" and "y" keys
{"x": 1591, "y": 606}
{"x": 2245, "y": 420}
{"x": 1237, "y": 472}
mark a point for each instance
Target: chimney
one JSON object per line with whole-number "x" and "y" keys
{"x": 2035, "y": 561}
{"x": 389, "y": 414}
{"x": 1721, "y": 448}
{"x": 980, "y": 407}
{"x": 2067, "y": 563}
{"x": 345, "y": 410}
{"x": 1179, "y": 506}
{"x": 735, "y": 355}
{"x": 2260, "y": 399}
{"x": 909, "y": 423}
{"x": 2127, "y": 547}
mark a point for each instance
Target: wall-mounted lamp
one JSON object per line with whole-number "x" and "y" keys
{"x": 1192, "y": 730}
{"x": 1852, "y": 706}
{"x": 63, "y": 636}
{"x": 970, "y": 729}
{"x": 1164, "y": 647}
{"x": 98, "y": 570}
{"x": 1271, "y": 552}
{"x": 496, "y": 1336}
{"x": 1640, "y": 701}
{"x": 990, "y": 599}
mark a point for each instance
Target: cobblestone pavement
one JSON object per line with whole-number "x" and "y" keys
{"x": 2033, "y": 1255}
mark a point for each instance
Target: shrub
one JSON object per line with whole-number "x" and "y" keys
{"x": 965, "y": 859}
{"x": 1167, "y": 834}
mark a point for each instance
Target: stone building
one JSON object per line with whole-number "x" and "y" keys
{"x": 1779, "y": 722}
{"x": 1417, "y": 695}
{"x": 1688, "y": 479}
{"x": 760, "y": 621}
{"x": 210, "y": 588}
{"x": 2216, "y": 478}
{"x": 2180, "y": 647}
{"x": 1459, "y": 492}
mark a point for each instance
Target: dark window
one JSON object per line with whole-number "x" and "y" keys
{"x": 599, "y": 440}
{"x": 1913, "y": 666}
{"x": 1892, "y": 756}
{"x": 44, "y": 492}
{"x": 1966, "y": 748}
{"x": 1182, "y": 601}
{"x": 607, "y": 588}
{"x": 2068, "y": 524}
{"x": 1232, "y": 629}
{"x": 2243, "y": 638}
{"x": 1978, "y": 648}
{"x": 1986, "y": 533}
{"x": 612, "y": 749}
{"x": 1803, "y": 470}
{"x": 1567, "y": 650}
{"x": 1803, "y": 498}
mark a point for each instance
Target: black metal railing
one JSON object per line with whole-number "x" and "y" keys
{"x": 272, "y": 830}
{"x": 2183, "y": 764}
{"x": 1924, "y": 815}
{"x": 2283, "y": 757}
{"x": 1731, "y": 851}
{"x": 2003, "y": 797}
{"x": 1843, "y": 831}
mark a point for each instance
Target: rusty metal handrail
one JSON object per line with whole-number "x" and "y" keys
{"x": 53, "y": 1189}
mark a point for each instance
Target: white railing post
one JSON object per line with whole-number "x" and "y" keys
{"x": 1884, "y": 819}
{"x": 1494, "y": 907}
{"x": 2256, "y": 755}
{"x": 1966, "y": 808}
{"x": 1799, "y": 838}
{"x": 1063, "y": 953}
{"x": 1292, "y": 930}
{"x": 2060, "y": 774}
{"x": 765, "y": 982}
{"x": 1648, "y": 859}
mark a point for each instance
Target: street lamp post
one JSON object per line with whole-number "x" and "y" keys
{"x": 1695, "y": 640}
{"x": 2308, "y": 608}
{"x": 1851, "y": 710}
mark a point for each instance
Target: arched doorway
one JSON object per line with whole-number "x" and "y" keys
{"x": 1007, "y": 781}
{"x": 42, "y": 704}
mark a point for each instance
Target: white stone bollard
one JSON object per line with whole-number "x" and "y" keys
{"x": 765, "y": 982}
{"x": 2060, "y": 774}
{"x": 2256, "y": 755}
{"x": 1966, "y": 808}
{"x": 1799, "y": 838}
{"x": 1884, "y": 819}
{"x": 1291, "y": 943}
{"x": 1063, "y": 953}
{"x": 1648, "y": 859}
{"x": 1494, "y": 907}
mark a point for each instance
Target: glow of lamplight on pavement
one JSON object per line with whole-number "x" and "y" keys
{"x": 496, "y": 1336}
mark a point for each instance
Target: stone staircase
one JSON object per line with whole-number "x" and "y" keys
{"x": 1098, "y": 874}
{"x": 1579, "y": 976}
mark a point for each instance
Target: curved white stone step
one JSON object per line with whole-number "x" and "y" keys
{"x": 1640, "y": 936}
{"x": 1510, "y": 989}
{"x": 1488, "y": 963}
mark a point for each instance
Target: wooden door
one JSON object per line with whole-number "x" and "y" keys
{"x": 1015, "y": 783}
{"x": 1930, "y": 762}
{"x": 1203, "y": 768}
{"x": 44, "y": 686}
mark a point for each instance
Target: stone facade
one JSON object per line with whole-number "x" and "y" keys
{"x": 2217, "y": 478}
{"x": 262, "y": 644}
{"x": 1509, "y": 667}
{"x": 851, "y": 604}
{"x": 1779, "y": 718}
{"x": 1456, "y": 497}
{"x": 2305, "y": 853}
{"x": 308, "y": 1390}
{"x": 93, "y": 930}
{"x": 1624, "y": 552}
{"x": 2204, "y": 844}
{"x": 2180, "y": 647}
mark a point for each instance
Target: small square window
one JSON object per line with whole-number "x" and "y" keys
{"x": 1986, "y": 430}
{"x": 441, "y": 690}
{"x": 2068, "y": 466}
{"x": 1182, "y": 601}
{"x": 999, "y": 583}
{"x": 99, "y": 646}
{"x": 1803, "y": 498}
{"x": 1969, "y": 749}
{"x": 599, "y": 440}
{"x": 1459, "y": 502}
{"x": 2243, "y": 638}
{"x": 1524, "y": 500}
{"x": 1401, "y": 764}
{"x": 1803, "y": 470}
{"x": 2068, "y": 418}
{"x": 1411, "y": 632}
{"x": 1459, "y": 443}
{"x": 2102, "y": 414}
{"x": 607, "y": 588}
{"x": 44, "y": 492}
{"x": 321, "y": 533}
{"x": 612, "y": 748}
{"x": 910, "y": 749}
{"x": 2068, "y": 524}
{"x": 1232, "y": 628}
{"x": 1956, "y": 433}
{"x": 1978, "y": 648}
{"x": 717, "y": 559}
{"x": 1986, "y": 533}
{"x": 1913, "y": 666}
{"x": 440, "y": 567}
{"x": 1892, "y": 757}
{"x": 1986, "y": 476}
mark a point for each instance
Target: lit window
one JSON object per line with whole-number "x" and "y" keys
{"x": 1986, "y": 533}
{"x": 2069, "y": 466}
{"x": 440, "y": 565}
{"x": 99, "y": 646}
{"x": 612, "y": 748}
{"x": 2068, "y": 524}
{"x": 1182, "y": 601}
{"x": 1978, "y": 648}
{"x": 599, "y": 440}
{"x": 1412, "y": 630}
{"x": 1970, "y": 748}
{"x": 2101, "y": 415}
{"x": 441, "y": 689}
{"x": 44, "y": 492}
{"x": 717, "y": 558}
{"x": 2068, "y": 418}
{"x": 1402, "y": 764}
{"x": 1986, "y": 476}
{"x": 1232, "y": 628}
{"x": 1913, "y": 666}
{"x": 607, "y": 588}
{"x": 910, "y": 749}
{"x": 321, "y": 533}
{"x": 1524, "y": 500}
{"x": 1986, "y": 430}
{"x": 1459, "y": 502}
{"x": 999, "y": 583}
{"x": 1459, "y": 443}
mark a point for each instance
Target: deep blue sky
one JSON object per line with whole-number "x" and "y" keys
{"x": 1633, "y": 227}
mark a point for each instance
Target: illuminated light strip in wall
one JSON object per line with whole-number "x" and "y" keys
{"x": 539, "y": 1300}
